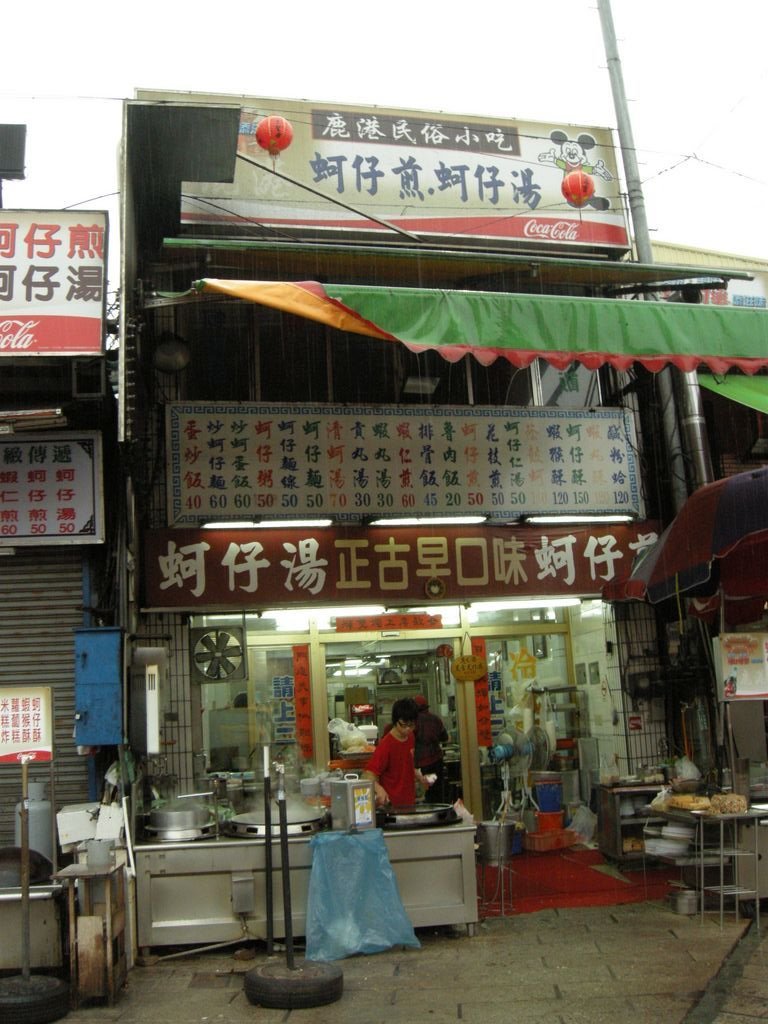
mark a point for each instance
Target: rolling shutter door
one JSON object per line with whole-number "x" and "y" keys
{"x": 41, "y": 603}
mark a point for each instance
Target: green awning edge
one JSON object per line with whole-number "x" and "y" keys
{"x": 522, "y": 327}
{"x": 749, "y": 391}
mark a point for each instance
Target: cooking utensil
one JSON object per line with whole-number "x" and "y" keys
{"x": 179, "y": 815}
{"x": 416, "y": 816}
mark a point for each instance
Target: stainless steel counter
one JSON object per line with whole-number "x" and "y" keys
{"x": 207, "y": 891}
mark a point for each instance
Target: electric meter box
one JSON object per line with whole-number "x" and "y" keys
{"x": 353, "y": 804}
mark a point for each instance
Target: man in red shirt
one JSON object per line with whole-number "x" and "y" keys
{"x": 391, "y": 765}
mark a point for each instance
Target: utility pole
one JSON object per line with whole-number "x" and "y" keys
{"x": 691, "y": 414}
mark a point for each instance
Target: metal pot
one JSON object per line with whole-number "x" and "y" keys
{"x": 495, "y": 841}
{"x": 417, "y": 816}
{"x": 685, "y": 902}
{"x": 179, "y": 816}
{"x": 300, "y": 817}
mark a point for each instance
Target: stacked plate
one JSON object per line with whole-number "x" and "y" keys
{"x": 675, "y": 841}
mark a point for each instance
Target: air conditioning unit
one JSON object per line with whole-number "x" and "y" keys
{"x": 148, "y": 671}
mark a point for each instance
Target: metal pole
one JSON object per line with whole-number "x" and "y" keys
{"x": 690, "y": 398}
{"x": 268, "y": 885}
{"x": 285, "y": 868}
{"x": 25, "y": 926}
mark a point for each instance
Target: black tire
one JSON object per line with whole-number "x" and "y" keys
{"x": 34, "y": 1000}
{"x": 275, "y": 985}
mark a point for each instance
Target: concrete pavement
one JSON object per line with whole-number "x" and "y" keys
{"x": 640, "y": 963}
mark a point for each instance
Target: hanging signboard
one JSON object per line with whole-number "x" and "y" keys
{"x": 337, "y": 168}
{"x": 26, "y": 724}
{"x": 51, "y": 489}
{"x": 744, "y": 666}
{"x": 468, "y": 668}
{"x": 53, "y": 283}
{"x": 356, "y": 463}
{"x": 205, "y": 569}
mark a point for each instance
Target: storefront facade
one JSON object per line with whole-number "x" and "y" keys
{"x": 286, "y": 427}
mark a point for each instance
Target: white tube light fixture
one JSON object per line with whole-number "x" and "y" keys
{"x": 266, "y": 524}
{"x": 429, "y": 521}
{"x": 502, "y": 606}
{"x": 567, "y": 520}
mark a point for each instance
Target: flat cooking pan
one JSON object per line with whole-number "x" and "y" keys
{"x": 416, "y": 816}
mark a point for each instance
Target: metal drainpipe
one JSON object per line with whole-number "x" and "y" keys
{"x": 696, "y": 450}
{"x": 694, "y": 429}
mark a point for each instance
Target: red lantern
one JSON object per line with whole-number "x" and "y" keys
{"x": 274, "y": 134}
{"x": 578, "y": 188}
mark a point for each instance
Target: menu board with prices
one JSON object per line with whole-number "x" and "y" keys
{"x": 356, "y": 464}
{"x": 51, "y": 489}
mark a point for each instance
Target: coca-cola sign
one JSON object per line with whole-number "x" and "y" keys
{"x": 553, "y": 230}
{"x": 52, "y": 282}
{"x": 17, "y": 334}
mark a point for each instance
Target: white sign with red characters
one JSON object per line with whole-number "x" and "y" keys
{"x": 51, "y": 489}
{"x": 26, "y": 724}
{"x": 52, "y": 282}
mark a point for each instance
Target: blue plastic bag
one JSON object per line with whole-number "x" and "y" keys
{"x": 354, "y": 904}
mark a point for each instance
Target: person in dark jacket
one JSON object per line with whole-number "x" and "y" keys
{"x": 430, "y": 734}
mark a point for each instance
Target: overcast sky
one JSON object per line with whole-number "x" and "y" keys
{"x": 695, "y": 74}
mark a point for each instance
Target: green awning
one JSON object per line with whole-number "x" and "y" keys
{"x": 523, "y": 327}
{"x": 749, "y": 391}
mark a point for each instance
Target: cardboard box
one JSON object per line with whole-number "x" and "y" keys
{"x": 77, "y": 822}
{"x": 109, "y": 824}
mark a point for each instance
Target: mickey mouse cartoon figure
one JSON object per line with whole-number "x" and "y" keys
{"x": 571, "y": 155}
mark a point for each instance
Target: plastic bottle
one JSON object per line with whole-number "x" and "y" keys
{"x": 39, "y": 820}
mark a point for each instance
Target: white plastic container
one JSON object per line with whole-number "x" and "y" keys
{"x": 40, "y": 822}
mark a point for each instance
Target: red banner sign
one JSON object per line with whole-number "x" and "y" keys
{"x": 250, "y": 568}
{"x": 482, "y": 698}
{"x": 302, "y": 700}
{"x": 376, "y": 623}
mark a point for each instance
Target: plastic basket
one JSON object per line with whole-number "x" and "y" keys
{"x": 555, "y": 839}
{"x": 546, "y": 821}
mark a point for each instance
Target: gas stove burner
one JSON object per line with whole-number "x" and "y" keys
{"x": 245, "y": 826}
{"x": 181, "y": 835}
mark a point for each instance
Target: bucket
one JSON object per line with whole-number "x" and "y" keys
{"x": 497, "y": 841}
{"x": 100, "y": 853}
{"x": 686, "y": 901}
{"x": 549, "y": 796}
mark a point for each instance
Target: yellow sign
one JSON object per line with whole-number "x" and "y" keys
{"x": 469, "y": 668}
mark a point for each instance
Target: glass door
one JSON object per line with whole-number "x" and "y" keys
{"x": 364, "y": 678}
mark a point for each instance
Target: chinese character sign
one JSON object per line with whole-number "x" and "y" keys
{"x": 26, "y": 724}
{"x": 482, "y": 697}
{"x": 432, "y": 174}
{"x": 250, "y": 568}
{"x": 273, "y": 461}
{"x": 51, "y": 490}
{"x": 744, "y": 666}
{"x": 52, "y": 282}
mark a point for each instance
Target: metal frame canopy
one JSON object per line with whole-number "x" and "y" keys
{"x": 522, "y": 327}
